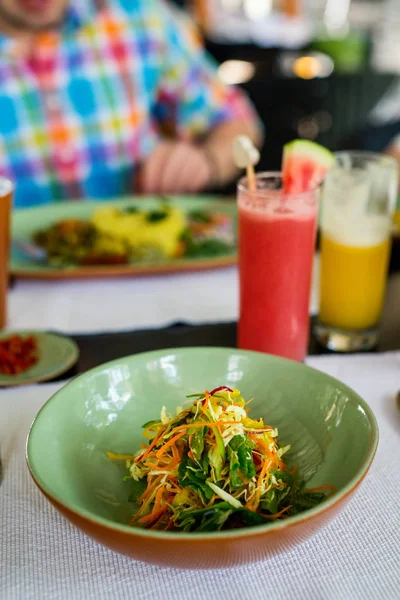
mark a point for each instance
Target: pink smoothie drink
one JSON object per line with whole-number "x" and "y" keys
{"x": 276, "y": 250}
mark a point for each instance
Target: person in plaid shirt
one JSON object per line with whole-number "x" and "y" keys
{"x": 99, "y": 98}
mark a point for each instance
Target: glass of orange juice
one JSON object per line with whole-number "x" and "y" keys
{"x": 358, "y": 201}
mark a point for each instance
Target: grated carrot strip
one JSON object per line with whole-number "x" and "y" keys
{"x": 158, "y": 498}
{"x": 170, "y": 443}
{"x": 278, "y": 514}
{"x": 152, "y": 445}
{"x": 322, "y": 487}
{"x": 149, "y": 490}
{"x": 266, "y": 466}
{"x": 252, "y": 504}
{"x": 154, "y": 516}
{"x": 175, "y": 454}
{"x": 213, "y": 499}
{"x": 206, "y": 402}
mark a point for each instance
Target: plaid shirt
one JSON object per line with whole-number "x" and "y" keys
{"x": 93, "y": 100}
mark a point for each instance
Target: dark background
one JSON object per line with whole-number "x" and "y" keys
{"x": 334, "y": 109}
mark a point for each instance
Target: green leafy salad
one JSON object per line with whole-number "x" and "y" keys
{"x": 213, "y": 467}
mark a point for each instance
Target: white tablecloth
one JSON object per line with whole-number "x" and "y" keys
{"x": 357, "y": 556}
{"x": 106, "y": 305}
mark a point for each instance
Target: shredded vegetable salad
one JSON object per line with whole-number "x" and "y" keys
{"x": 213, "y": 467}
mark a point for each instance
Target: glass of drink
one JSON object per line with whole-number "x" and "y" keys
{"x": 358, "y": 201}
{"x": 276, "y": 249}
{"x": 6, "y": 189}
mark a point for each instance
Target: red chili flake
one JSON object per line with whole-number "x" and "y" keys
{"x": 17, "y": 354}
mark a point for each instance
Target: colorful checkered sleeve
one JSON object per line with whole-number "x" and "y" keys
{"x": 83, "y": 112}
{"x": 190, "y": 94}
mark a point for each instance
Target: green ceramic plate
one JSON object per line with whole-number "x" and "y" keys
{"x": 332, "y": 431}
{"x": 57, "y": 354}
{"x": 27, "y": 221}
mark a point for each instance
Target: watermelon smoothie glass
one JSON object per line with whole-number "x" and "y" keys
{"x": 277, "y": 233}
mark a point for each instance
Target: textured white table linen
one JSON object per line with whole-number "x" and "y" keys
{"x": 104, "y": 305}
{"x": 357, "y": 556}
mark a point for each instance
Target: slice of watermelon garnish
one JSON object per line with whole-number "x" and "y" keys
{"x": 304, "y": 166}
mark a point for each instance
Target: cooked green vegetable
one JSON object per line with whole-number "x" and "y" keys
{"x": 196, "y": 248}
{"x": 200, "y": 216}
{"x": 155, "y": 216}
{"x": 130, "y": 210}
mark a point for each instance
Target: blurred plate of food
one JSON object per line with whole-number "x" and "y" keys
{"x": 131, "y": 236}
{"x": 28, "y": 357}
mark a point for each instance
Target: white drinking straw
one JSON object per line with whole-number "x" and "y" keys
{"x": 246, "y": 156}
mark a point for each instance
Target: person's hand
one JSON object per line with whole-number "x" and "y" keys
{"x": 394, "y": 151}
{"x": 174, "y": 168}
